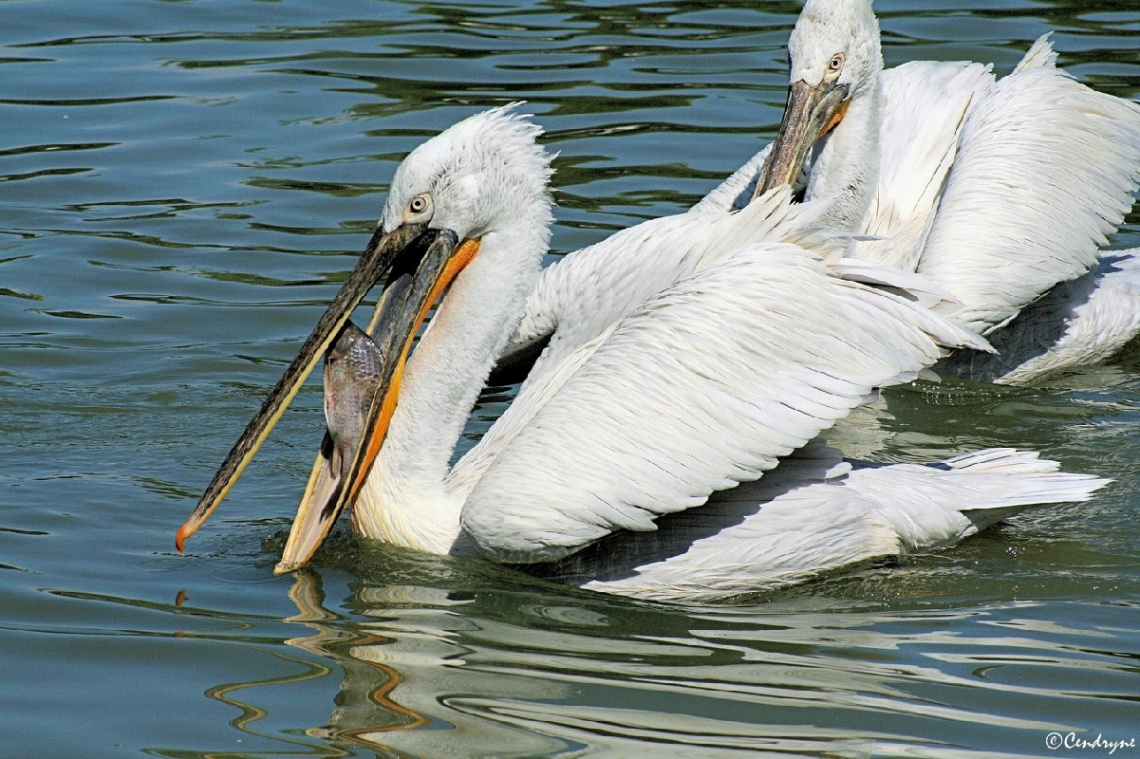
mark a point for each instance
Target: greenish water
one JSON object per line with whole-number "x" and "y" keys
{"x": 182, "y": 187}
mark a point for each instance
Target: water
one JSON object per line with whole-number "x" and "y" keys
{"x": 182, "y": 187}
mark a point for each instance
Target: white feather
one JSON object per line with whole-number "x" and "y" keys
{"x": 1078, "y": 323}
{"x": 1045, "y": 171}
{"x": 996, "y": 192}
{"x": 924, "y": 104}
{"x": 804, "y": 520}
{"x": 734, "y": 193}
{"x": 704, "y": 386}
{"x": 590, "y": 289}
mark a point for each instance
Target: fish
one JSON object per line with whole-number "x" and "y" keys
{"x": 352, "y": 372}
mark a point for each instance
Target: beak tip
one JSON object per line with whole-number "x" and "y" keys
{"x": 184, "y": 532}
{"x": 285, "y": 567}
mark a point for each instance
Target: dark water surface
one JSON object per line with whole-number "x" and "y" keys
{"x": 182, "y": 187}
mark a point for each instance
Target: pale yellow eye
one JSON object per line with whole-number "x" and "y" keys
{"x": 836, "y": 64}
{"x": 419, "y": 208}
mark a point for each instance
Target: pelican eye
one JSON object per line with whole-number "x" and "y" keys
{"x": 419, "y": 208}
{"x": 835, "y": 66}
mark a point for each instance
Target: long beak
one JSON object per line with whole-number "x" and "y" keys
{"x": 811, "y": 113}
{"x": 406, "y": 303}
{"x": 379, "y": 256}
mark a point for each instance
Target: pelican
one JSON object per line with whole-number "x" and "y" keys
{"x": 995, "y": 190}
{"x": 707, "y": 384}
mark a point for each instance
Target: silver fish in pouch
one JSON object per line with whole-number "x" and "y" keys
{"x": 352, "y": 370}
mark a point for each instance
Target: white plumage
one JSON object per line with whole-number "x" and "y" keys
{"x": 1081, "y": 322}
{"x": 1041, "y": 171}
{"x": 923, "y": 107}
{"x": 711, "y": 382}
{"x": 1045, "y": 171}
{"x": 587, "y": 292}
{"x": 819, "y": 515}
{"x": 997, "y": 191}
{"x": 703, "y": 386}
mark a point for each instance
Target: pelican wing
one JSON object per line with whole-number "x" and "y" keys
{"x": 924, "y": 104}
{"x": 1078, "y": 323}
{"x": 1045, "y": 171}
{"x": 589, "y": 290}
{"x": 794, "y": 525}
{"x": 704, "y": 386}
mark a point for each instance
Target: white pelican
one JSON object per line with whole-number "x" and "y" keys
{"x": 995, "y": 190}
{"x": 705, "y": 385}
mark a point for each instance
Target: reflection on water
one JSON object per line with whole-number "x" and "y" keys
{"x": 427, "y": 671}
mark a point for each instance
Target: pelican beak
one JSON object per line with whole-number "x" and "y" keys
{"x": 414, "y": 286}
{"x": 382, "y": 252}
{"x": 811, "y": 113}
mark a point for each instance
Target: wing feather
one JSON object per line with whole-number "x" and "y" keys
{"x": 734, "y": 193}
{"x": 582, "y": 295}
{"x": 1078, "y": 323}
{"x": 801, "y": 521}
{"x": 1046, "y": 170}
{"x": 924, "y": 104}
{"x": 704, "y": 386}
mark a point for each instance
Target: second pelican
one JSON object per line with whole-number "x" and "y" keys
{"x": 995, "y": 190}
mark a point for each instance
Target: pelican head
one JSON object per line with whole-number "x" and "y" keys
{"x": 449, "y": 197}
{"x": 836, "y": 58}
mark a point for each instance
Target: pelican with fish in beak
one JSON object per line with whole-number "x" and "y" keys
{"x": 676, "y": 446}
